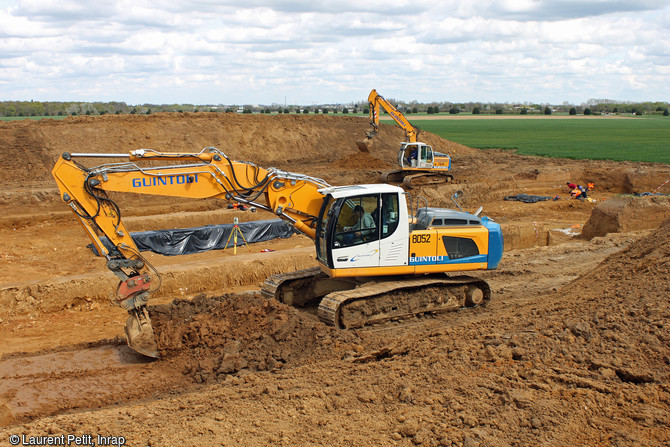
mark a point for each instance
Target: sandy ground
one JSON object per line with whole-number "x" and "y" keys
{"x": 573, "y": 348}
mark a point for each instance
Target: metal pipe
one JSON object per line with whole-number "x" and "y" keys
{"x": 100, "y": 155}
{"x": 257, "y": 205}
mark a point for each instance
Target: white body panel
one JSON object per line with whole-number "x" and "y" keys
{"x": 394, "y": 249}
{"x": 389, "y": 251}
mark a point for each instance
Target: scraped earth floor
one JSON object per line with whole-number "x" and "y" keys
{"x": 573, "y": 348}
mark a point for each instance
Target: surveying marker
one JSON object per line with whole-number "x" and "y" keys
{"x": 233, "y": 234}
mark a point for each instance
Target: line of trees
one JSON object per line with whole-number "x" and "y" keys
{"x": 37, "y": 108}
{"x": 592, "y": 107}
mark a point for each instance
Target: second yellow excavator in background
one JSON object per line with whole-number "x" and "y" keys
{"x": 417, "y": 162}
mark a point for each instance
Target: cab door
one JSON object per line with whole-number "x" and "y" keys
{"x": 402, "y": 158}
{"x": 425, "y": 156}
{"x": 394, "y": 242}
{"x": 355, "y": 242}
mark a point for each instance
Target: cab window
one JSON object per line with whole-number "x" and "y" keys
{"x": 390, "y": 214}
{"x": 358, "y": 221}
{"x": 426, "y": 154}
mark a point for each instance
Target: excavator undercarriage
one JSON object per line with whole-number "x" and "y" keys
{"x": 416, "y": 177}
{"x": 356, "y": 302}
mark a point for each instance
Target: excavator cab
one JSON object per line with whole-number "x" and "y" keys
{"x": 381, "y": 241}
{"x": 415, "y": 155}
{"x": 360, "y": 227}
{"x": 418, "y": 161}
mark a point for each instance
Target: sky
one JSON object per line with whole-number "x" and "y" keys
{"x": 298, "y": 52}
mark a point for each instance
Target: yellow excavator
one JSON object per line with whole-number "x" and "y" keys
{"x": 417, "y": 162}
{"x": 377, "y": 261}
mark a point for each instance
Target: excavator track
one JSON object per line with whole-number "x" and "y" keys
{"x": 393, "y": 176}
{"x": 352, "y": 303}
{"x": 410, "y": 179}
{"x": 272, "y": 287}
{"x": 375, "y": 302}
{"x": 426, "y": 178}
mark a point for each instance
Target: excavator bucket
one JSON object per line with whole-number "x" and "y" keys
{"x": 140, "y": 333}
{"x": 364, "y": 145}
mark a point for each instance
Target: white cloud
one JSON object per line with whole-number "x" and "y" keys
{"x": 212, "y": 51}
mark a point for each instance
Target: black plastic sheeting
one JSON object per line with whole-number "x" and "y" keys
{"x": 527, "y": 198}
{"x": 185, "y": 241}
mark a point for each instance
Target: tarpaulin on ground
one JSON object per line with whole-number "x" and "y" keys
{"x": 185, "y": 241}
{"x": 643, "y": 194}
{"x": 527, "y": 198}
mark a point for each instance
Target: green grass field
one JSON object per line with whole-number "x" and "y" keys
{"x": 638, "y": 139}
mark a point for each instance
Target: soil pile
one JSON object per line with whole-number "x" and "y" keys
{"x": 626, "y": 298}
{"x": 603, "y": 344}
{"x": 216, "y": 336}
{"x": 627, "y": 213}
{"x": 361, "y": 161}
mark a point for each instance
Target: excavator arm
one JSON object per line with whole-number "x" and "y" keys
{"x": 209, "y": 173}
{"x": 377, "y": 101}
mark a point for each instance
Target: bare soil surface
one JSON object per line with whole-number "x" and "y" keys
{"x": 572, "y": 349}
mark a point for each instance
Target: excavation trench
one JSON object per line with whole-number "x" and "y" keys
{"x": 38, "y": 384}
{"x": 531, "y": 367}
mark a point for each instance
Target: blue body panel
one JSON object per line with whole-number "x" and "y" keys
{"x": 496, "y": 243}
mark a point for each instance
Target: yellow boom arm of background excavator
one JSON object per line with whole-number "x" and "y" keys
{"x": 376, "y": 101}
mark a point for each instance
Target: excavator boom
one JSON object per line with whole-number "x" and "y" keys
{"x": 377, "y": 102}
{"x": 209, "y": 173}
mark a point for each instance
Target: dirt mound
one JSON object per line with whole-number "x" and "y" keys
{"x": 304, "y": 144}
{"x": 640, "y": 271}
{"x": 590, "y": 361}
{"x": 606, "y": 337}
{"x": 319, "y": 145}
{"x": 32, "y": 147}
{"x": 626, "y": 213}
{"x": 361, "y": 161}
{"x": 216, "y": 336}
